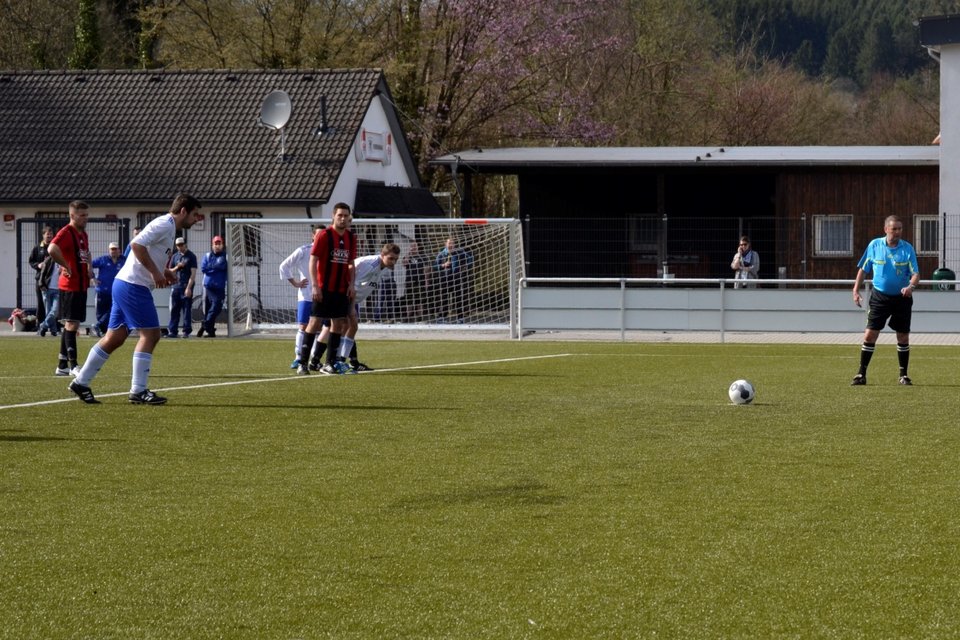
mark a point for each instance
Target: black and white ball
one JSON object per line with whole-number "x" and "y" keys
{"x": 741, "y": 392}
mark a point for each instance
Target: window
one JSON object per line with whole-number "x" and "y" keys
{"x": 833, "y": 236}
{"x": 926, "y": 235}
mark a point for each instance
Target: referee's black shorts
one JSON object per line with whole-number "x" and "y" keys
{"x": 897, "y": 309}
{"x": 333, "y": 305}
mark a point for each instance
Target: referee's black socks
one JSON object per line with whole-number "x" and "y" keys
{"x": 866, "y": 352}
{"x": 903, "y": 357}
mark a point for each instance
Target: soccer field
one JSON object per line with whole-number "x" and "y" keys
{"x": 482, "y": 489}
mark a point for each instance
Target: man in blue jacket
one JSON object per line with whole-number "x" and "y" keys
{"x": 214, "y": 268}
{"x": 107, "y": 266}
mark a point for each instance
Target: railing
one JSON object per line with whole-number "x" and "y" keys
{"x": 713, "y": 304}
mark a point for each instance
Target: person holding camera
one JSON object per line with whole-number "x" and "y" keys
{"x": 746, "y": 264}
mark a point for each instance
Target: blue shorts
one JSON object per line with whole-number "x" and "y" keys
{"x": 133, "y": 307}
{"x": 303, "y": 311}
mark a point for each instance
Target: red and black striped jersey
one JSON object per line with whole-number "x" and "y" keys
{"x": 335, "y": 254}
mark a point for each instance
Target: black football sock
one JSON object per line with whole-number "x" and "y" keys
{"x": 308, "y": 339}
{"x": 866, "y": 352}
{"x": 354, "y": 359}
{"x": 70, "y": 340}
{"x": 903, "y": 357}
{"x": 62, "y": 362}
{"x": 332, "y": 345}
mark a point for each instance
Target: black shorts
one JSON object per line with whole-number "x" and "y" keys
{"x": 73, "y": 306}
{"x": 334, "y": 305}
{"x": 898, "y": 309}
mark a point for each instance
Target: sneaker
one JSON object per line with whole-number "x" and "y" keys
{"x": 329, "y": 369}
{"x": 302, "y": 370}
{"x": 62, "y": 371}
{"x": 341, "y": 367}
{"x": 171, "y": 335}
{"x": 146, "y": 397}
{"x": 314, "y": 365}
{"x": 295, "y": 363}
{"x": 905, "y": 380}
{"x": 83, "y": 392}
{"x": 43, "y": 331}
{"x": 200, "y": 331}
{"x": 359, "y": 367}
{"x": 75, "y": 371}
{"x": 859, "y": 380}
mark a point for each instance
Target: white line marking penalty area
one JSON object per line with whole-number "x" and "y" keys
{"x": 230, "y": 383}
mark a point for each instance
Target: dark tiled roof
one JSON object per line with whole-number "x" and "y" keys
{"x": 147, "y": 135}
{"x": 381, "y": 200}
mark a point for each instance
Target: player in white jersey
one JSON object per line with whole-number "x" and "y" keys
{"x": 133, "y": 306}
{"x": 369, "y": 271}
{"x": 295, "y": 269}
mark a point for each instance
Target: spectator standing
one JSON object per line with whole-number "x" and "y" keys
{"x": 133, "y": 306}
{"x": 183, "y": 263}
{"x": 51, "y": 298}
{"x": 416, "y": 280}
{"x": 70, "y": 248}
{"x": 214, "y": 268}
{"x": 38, "y": 257}
{"x": 107, "y": 266}
{"x": 745, "y": 264}
{"x": 892, "y": 262}
{"x": 453, "y": 266}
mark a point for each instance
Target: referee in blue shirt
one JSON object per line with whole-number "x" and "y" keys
{"x": 893, "y": 263}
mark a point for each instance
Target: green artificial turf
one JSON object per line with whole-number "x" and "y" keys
{"x": 610, "y": 490}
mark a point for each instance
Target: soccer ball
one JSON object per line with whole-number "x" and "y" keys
{"x": 741, "y": 392}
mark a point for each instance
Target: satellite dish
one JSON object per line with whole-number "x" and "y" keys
{"x": 276, "y": 109}
{"x": 275, "y": 112}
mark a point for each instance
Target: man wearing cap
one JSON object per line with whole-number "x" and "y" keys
{"x": 214, "y": 268}
{"x": 183, "y": 263}
{"x": 107, "y": 266}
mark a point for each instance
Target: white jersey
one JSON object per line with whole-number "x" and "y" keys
{"x": 297, "y": 266}
{"x": 158, "y": 238}
{"x": 369, "y": 270}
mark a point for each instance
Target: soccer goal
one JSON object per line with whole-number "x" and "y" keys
{"x": 470, "y": 286}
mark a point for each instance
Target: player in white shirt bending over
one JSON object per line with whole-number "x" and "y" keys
{"x": 295, "y": 269}
{"x": 133, "y": 306}
{"x": 369, "y": 271}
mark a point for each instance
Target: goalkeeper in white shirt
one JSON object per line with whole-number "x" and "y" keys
{"x": 369, "y": 270}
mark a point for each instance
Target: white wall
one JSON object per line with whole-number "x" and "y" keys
{"x": 950, "y": 152}
{"x": 710, "y": 309}
{"x": 355, "y": 168}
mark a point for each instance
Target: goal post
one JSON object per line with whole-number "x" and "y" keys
{"x": 474, "y": 289}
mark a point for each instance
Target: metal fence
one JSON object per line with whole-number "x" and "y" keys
{"x": 649, "y": 246}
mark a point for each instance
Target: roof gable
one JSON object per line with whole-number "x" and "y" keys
{"x": 146, "y": 135}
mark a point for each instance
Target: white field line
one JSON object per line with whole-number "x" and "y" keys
{"x": 230, "y": 383}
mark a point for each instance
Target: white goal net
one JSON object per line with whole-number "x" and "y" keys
{"x": 477, "y": 289}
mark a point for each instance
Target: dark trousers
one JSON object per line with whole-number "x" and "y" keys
{"x": 214, "y": 305}
{"x": 180, "y": 308}
{"x": 41, "y": 308}
{"x": 104, "y": 302}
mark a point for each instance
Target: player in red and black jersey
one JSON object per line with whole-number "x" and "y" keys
{"x": 70, "y": 248}
{"x": 331, "y": 285}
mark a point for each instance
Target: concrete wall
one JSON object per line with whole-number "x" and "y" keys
{"x": 711, "y": 309}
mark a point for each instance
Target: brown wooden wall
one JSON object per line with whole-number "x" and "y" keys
{"x": 869, "y": 195}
